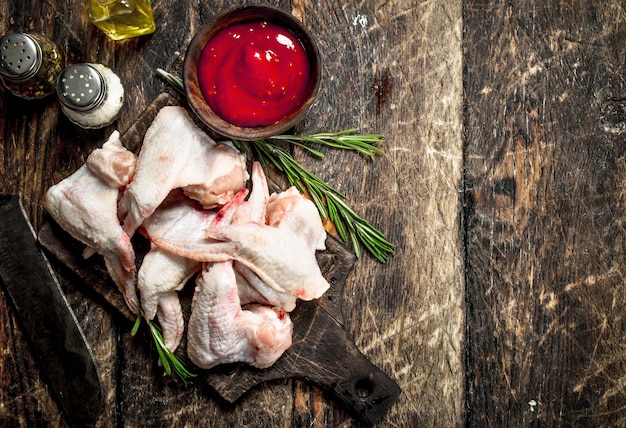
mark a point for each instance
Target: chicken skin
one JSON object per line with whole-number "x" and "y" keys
{"x": 85, "y": 205}
{"x": 291, "y": 210}
{"x": 279, "y": 257}
{"x": 254, "y": 208}
{"x": 252, "y": 254}
{"x": 162, "y": 274}
{"x": 221, "y": 331}
{"x": 253, "y": 290}
{"x": 177, "y": 154}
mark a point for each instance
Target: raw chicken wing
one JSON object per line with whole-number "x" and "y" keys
{"x": 254, "y": 208}
{"x": 279, "y": 257}
{"x": 220, "y": 331}
{"x": 85, "y": 205}
{"x": 177, "y": 154}
{"x": 291, "y": 210}
{"x": 253, "y": 290}
{"x": 162, "y": 274}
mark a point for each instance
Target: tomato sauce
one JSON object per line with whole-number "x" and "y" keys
{"x": 253, "y": 74}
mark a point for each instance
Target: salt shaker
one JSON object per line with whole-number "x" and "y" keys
{"x": 122, "y": 19}
{"x": 91, "y": 95}
{"x": 29, "y": 64}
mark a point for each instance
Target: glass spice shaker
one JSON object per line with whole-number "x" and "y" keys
{"x": 91, "y": 95}
{"x": 29, "y": 64}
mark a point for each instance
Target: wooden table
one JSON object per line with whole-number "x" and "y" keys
{"x": 501, "y": 185}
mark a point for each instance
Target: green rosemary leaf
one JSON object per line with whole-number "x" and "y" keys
{"x": 167, "y": 369}
{"x": 347, "y": 140}
{"x": 241, "y": 146}
{"x": 136, "y": 325}
{"x": 318, "y": 199}
{"x": 311, "y": 150}
{"x": 336, "y": 219}
{"x": 357, "y": 248}
{"x": 167, "y": 357}
{"x": 174, "y": 81}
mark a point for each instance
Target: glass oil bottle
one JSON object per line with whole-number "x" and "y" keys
{"x": 121, "y": 19}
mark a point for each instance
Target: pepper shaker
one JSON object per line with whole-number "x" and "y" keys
{"x": 29, "y": 64}
{"x": 91, "y": 95}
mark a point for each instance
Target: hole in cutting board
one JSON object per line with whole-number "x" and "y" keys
{"x": 364, "y": 388}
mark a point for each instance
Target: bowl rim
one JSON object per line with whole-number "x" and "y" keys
{"x": 242, "y": 14}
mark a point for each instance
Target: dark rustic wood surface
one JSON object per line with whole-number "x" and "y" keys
{"x": 500, "y": 184}
{"x": 545, "y": 123}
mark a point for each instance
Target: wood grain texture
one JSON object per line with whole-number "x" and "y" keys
{"x": 544, "y": 93}
{"x": 392, "y": 67}
{"x": 397, "y": 70}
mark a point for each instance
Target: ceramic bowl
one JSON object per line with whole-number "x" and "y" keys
{"x": 239, "y": 15}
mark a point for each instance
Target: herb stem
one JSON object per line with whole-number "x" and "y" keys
{"x": 348, "y": 139}
{"x": 168, "y": 359}
{"x": 174, "y": 81}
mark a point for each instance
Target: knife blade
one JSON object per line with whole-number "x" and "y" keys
{"x": 56, "y": 339}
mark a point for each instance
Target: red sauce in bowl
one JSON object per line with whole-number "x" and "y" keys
{"x": 253, "y": 74}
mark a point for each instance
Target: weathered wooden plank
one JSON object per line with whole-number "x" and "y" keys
{"x": 395, "y": 67}
{"x": 545, "y": 210}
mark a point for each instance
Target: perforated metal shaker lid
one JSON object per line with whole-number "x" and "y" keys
{"x": 81, "y": 87}
{"x": 20, "y": 56}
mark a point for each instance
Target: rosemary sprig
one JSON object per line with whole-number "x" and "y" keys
{"x": 168, "y": 359}
{"x": 330, "y": 203}
{"x": 348, "y": 139}
{"x": 174, "y": 81}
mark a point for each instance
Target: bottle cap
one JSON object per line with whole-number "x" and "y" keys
{"x": 20, "y": 56}
{"x": 81, "y": 87}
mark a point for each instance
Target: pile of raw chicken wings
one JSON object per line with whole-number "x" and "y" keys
{"x": 250, "y": 255}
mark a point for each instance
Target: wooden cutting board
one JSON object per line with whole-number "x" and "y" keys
{"x": 322, "y": 352}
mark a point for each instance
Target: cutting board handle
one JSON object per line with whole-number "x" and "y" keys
{"x": 334, "y": 362}
{"x": 366, "y": 390}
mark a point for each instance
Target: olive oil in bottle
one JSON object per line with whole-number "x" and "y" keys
{"x": 121, "y": 19}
